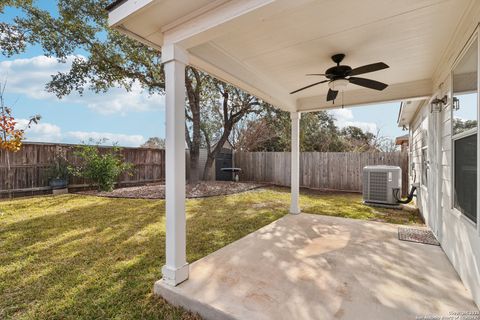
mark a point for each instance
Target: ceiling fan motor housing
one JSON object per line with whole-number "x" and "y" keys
{"x": 338, "y": 72}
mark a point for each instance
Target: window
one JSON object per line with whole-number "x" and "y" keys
{"x": 466, "y": 176}
{"x": 464, "y": 133}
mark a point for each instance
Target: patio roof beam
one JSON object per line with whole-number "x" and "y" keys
{"x": 203, "y": 24}
{"x": 414, "y": 90}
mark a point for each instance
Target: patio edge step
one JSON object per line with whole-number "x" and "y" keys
{"x": 172, "y": 296}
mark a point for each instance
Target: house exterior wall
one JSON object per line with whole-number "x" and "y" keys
{"x": 418, "y": 136}
{"x": 459, "y": 237}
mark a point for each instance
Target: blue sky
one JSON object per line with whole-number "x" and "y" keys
{"x": 127, "y": 118}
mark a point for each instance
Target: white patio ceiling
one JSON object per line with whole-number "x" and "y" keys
{"x": 267, "y": 46}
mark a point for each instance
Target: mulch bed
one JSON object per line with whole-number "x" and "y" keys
{"x": 198, "y": 190}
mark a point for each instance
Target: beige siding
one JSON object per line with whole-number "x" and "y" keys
{"x": 460, "y": 238}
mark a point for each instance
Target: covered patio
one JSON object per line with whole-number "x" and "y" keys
{"x": 318, "y": 267}
{"x": 331, "y": 267}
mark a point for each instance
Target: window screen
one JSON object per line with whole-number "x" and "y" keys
{"x": 466, "y": 176}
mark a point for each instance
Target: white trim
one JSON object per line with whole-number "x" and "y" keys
{"x": 199, "y": 22}
{"x": 174, "y": 53}
{"x": 295, "y": 163}
{"x": 455, "y": 137}
{"x": 127, "y": 9}
{"x": 176, "y": 268}
{"x": 478, "y": 131}
{"x": 464, "y": 134}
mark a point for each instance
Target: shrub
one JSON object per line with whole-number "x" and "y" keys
{"x": 102, "y": 168}
{"x": 59, "y": 168}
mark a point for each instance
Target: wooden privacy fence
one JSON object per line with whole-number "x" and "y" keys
{"x": 330, "y": 171}
{"x": 30, "y": 165}
{"x": 319, "y": 170}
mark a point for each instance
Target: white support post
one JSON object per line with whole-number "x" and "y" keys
{"x": 295, "y": 163}
{"x": 175, "y": 270}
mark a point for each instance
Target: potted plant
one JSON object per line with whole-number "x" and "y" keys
{"x": 58, "y": 174}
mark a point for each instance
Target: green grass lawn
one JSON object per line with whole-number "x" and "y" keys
{"x": 85, "y": 257}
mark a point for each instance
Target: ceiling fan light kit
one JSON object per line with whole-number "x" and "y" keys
{"x": 339, "y": 76}
{"x": 338, "y": 85}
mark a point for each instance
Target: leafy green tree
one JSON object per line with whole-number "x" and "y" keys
{"x": 359, "y": 140}
{"x": 318, "y": 132}
{"x": 460, "y": 125}
{"x": 108, "y": 59}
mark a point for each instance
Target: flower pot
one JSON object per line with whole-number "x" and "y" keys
{"x": 58, "y": 183}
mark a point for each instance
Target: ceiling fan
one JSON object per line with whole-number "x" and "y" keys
{"x": 339, "y": 76}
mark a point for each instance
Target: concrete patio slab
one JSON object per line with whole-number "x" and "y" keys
{"x": 317, "y": 267}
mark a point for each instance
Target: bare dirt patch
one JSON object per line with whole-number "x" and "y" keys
{"x": 198, "y": 190}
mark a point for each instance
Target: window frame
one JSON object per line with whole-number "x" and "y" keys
{"x": 455, "y": 137}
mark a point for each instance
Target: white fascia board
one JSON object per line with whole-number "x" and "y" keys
{"x": 135, "y": 36}
{"x": 401, "y": 114}
{"x": 409, "y": 109}
{"x": 126, "y": 9}
{"x": 199, "y": 22}
{"x": 415, "y": 90}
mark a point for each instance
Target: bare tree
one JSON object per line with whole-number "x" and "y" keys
{"x": 383, "y": 143}
{"x": 10, "y": 135}
{"x": 227, "y": 105}
{"x": 251, "y": 134}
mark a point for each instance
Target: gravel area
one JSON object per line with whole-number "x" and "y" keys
{"x": 198, "y": 190}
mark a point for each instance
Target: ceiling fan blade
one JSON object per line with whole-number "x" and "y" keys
{"x": 311, "y": 85}
{"x": 316, "y": 74}
{"x": 331, "y": 95}
{"x": 368, "y": 83}
{"x": 368, "y": 68}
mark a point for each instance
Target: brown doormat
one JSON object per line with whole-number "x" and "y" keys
{"x": 417, "y": 235}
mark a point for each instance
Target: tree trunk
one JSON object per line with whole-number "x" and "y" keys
{"x": 208, "y": 165}
{"x": 193, "y": 94}
{"x": 218, "y": 147}
{"x": 9, "y": 175}
{"x": 194, "y": 174}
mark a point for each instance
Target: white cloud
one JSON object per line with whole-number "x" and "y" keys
{"x": 344, "y": 118}
{"x": 29, "y": 76}
{"x": 365, "y": 126}
{"x": 41, "y": 132}
{"x": 121, "y": 139}
{"x": 119, "y": 101}
{"x": 342, "y": 115}
{"x": 47, "y": 132}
